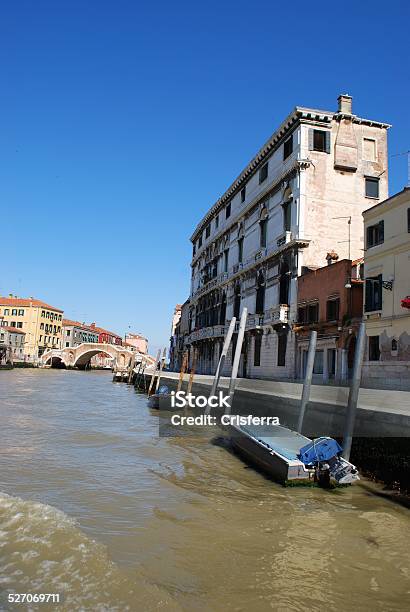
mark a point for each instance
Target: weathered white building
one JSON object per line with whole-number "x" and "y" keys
{"x": 286, "y": 210}
{"x": 387, "y": 293}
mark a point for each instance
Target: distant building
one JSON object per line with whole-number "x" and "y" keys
{"x": 387, "y": 292}
{"x": 330, "y": 301}
{"x": 11, "y": 344}
{"x": 178, "y": 341}
{"x": 106, "y": 336}
{"x": 41, "y": 323}
{"x": 137, "y": 342}
{"x": 285, "y": 210}
{"x": 75, "y": 333}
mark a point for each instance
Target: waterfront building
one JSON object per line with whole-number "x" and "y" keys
{"x": 11, "y": 344}
{"x": 136, "y": 342}
{"x": 75, "y": 333}
{"x": 178, "y": 342}
{"x": 104, "y": 335}
{"x": 298, "y": 199}
{"x": 330, "y": 301}
{"x": 387, "y": 292}
{"x": 41, "y": 323}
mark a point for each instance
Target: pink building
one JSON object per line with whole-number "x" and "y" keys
{"x": 137, "y": 342}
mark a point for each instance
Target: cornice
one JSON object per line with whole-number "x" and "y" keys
{"x": 300, "y": 114}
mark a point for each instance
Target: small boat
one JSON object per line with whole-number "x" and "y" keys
{"x": 161, "y": 400}
{"x": 286, "y": 455}
{"x": 289, "y": 457}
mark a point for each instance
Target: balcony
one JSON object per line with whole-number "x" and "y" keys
{"x": 254, "y": 321}
{"x": 284, "y": 238}
{"x": 216, "y": 331}
{"x": 278, "y": 314}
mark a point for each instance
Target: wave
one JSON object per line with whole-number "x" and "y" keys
{"x": 42, "y": 550}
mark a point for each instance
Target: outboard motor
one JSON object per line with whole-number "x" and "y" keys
{"x": 324, "y": 455}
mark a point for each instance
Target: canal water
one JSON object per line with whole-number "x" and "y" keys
{"x": 95, "y": 506}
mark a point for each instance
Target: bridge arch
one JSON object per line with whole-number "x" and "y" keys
{"x": 79, "y": 356}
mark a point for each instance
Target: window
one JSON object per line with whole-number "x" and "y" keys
{"x": 67, "y": 344}
{"x": 40, "y": 339}
{"x": 282, "y": 343}
{"x": 318, "y": 363}
{"x": 207, "y": 231}
{"x": 200, "y": 241}
{"x": 319, "y": 140}
{"x": 228, "y": 211}
{"x": 226, "y": 260}
{"x": 243, "y": 194}
{"x": 240, "y": 250}
{"x": 375, "y": 234}
{"x": 369, "y": 149}
{"x": 21, "y": 313}
{"x": 288, "y": 147}
{"x": 257, "y": 350}
{"x": 14, "y": 311}
{"x": 287, "y": 216}
{"x": 216, "y": 221}
{"x": 313, "y": 313}
{"x": 373, "y": 293}
{"x": 371, "y": 187}
{"x": 41, "y": 325}
{"x": 332, "y": 309}
{"x": 260, "y": 294}
{"x": 374, "y": 348}
{"x": 263, "y": 173}
{"x": 43, "y": 313}
{"x": 302, "y": 314}
{"x": 19, "y": 325}
{"x": 6, "y": 311}
{"x": 263, "y": 227}
{"x": 193, "y": 250}
{"x": 408, "y": 225}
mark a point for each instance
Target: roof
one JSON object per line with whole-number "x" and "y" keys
{"x": 101, "y": 330}
{"x": 69, "y": 323}
{"x": 390, "y": 199}
{"x": 299, "y": 114}
{"x": 12, "y": 330}
{"x": 27, "y": 302}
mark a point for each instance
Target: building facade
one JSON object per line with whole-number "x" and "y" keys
{"x": 75, "y": 333}
{"x": 11, "y": 344}
{"x": 298, "y": 199}
{"x": 137, "y": 343}
{"x": 180, "y": 336}
{"x": 41, "y": 323}
{"x": 387, "y": 292}
{"x": 330, "y": 301}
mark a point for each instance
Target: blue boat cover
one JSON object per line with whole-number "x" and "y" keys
{"x": 163, "y": 390}
{"x": 320, "y": 449}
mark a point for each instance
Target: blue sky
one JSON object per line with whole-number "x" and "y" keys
{"x": 122, "y": 122}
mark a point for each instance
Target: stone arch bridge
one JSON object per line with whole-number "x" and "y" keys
{"x": 79, "y": 356}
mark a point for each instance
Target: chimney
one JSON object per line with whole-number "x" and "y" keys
{"x": 345, "y": 104}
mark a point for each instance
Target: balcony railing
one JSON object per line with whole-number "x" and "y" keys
{"x": 214, "y": 331}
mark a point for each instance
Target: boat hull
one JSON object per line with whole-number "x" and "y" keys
{"x": 273, "y": 463}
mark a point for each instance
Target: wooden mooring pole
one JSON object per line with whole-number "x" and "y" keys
{"x": 308, "y": 379}
{"x": 354, "y": 392}
{"x": 151, "y": 384}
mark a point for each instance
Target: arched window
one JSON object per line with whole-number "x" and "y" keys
{"x": 260, "y": 293}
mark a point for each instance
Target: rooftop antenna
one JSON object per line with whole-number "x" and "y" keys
{"x": 408, "y": 163}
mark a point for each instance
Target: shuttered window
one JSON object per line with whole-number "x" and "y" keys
{"x": 373, "y": 293}
{"x": 288, "y": 147}
{"x": 319, "y": 140}
{"x": 375, "y": 234}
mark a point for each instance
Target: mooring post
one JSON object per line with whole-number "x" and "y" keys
{"x": 236, "y": 359}
{"x": 164, "y": 355}
{"x": 221, "y": 361}
{"x": 182, "y": 370}
{"x": 192, "y": 373}
{"x": 308, "y": 379}
{"x": 151, "y": 384}
{"x": 354, "y": 392}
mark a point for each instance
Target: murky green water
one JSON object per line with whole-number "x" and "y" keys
{"x": 96, "y": 507}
